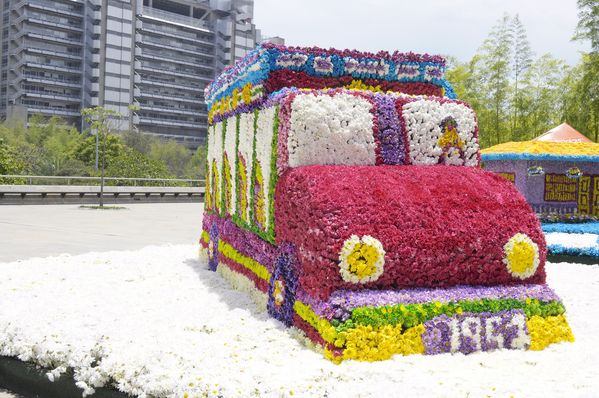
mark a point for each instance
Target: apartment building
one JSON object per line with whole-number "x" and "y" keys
{"x": 58, "y": 56}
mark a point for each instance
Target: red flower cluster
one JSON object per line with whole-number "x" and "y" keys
{"x": 440, "y": 226}
{"x": 287, "y": 78}
{"x": 395, "y": 55}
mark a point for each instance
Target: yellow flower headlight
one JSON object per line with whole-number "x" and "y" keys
{"x": 361, "y": 260}
{"x": 521, "y": 256}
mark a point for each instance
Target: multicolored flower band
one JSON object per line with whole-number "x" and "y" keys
{"x": 342, "y": 213}
{"x": 543, "y": 150}
{"x": 270, "y": 68}
{"x": 377, "y": 324}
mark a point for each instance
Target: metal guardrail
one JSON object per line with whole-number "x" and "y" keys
{"x": 69, "y": 180}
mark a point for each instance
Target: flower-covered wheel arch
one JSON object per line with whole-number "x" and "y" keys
{"x": 283, "y": 285}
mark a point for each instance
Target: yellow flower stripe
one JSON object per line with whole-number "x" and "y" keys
{"x": 545, "y": 147}
{"x": 365, "y": 343}
{"x": 205, "y": 237}
{"x": 324, "y": 327}
{"x": 229, "y": 251}
{"x": 229, "y": 103}
{"x": 545, "y": 331}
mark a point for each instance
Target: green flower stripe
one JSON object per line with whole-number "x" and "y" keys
{"x": 410, "y": 315}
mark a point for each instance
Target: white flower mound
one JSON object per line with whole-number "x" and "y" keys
{"x": 423, "y": 118}
{"x": 331, "y": 129}
{"x": 580, "y": 241}
{"x": 160, "y": 324}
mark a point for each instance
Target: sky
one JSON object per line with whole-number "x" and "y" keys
{"x": 449, "y": 27}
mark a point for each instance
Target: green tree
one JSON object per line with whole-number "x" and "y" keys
{"x": 541, "y": 96}
{"x": 134, "y": 164}
{"x": 140, "y": 141}
{"x": 587, "y": 29}
{"x": 588, "y": 23}
{"x": 196, "y": 165}
{"x": 522, "y": 60}
{"x": 174, "y": 155}
{"x": 9, "y": 164}
{"x": 85, "y": 151}
{"x": 99, "y": 120}
{"x": 495, "y": 60}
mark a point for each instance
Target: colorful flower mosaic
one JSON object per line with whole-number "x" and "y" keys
{"x": 334, "y": 199}
{"x": 270, "y": 68}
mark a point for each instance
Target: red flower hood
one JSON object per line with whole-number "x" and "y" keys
{"x": 439, "y": 225}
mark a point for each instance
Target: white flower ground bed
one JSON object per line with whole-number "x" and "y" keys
{"x": 159, "y": 324}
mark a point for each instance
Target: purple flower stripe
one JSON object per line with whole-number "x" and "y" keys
{"x": 390, "y": 136}
{"x": 349, "y": 299}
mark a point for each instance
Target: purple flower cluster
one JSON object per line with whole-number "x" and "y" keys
{"x": 286, "y": 272}
{"x": 390, "y": 134}
{"x": 244, "y": 241}
{"x": 349, "y": 299}
{"x": 468, "y": 332}
{"x": 213, "y": 247}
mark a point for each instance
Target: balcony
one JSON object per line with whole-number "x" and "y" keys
{"x": 144, "y": 94}
{"x": 175, "y": 19}
{"x": 172, "y": 46}
{"x": 51, "y": 96}
{"x": 56, "y": 68}
{"x": 161, "y": 83}
{"x": 54, "y": 24}
{"x": 174, "y": 35}
{"x": 57, "y": 54}
{"x": 175, "y": 60}
{"x": 173, "y": 110}
{"x": 174, "y": 73}
{"x": 167, "y": 122}
{"x": 49, "y": 110}
{"x": 52, "y": 38}
{"x": 56, "y": 7}
{"x": 52, "y": 82}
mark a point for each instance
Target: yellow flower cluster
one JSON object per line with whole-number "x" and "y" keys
{"x": 365, "y": 343}
{"x": 324, "y": 327}
{"x": 229, "y": 251}
{"x": 205, "y": 236}
{"x": 362, "y": 260}
{"x": 260, "y": 200}
{"x": 549, "y": 330}
{"x": 545, "y": 147}
{"x": 360, "y": 85}
{"x": 230, "y": 103}
{"x": 521, "y": 256}
{"x": 451, "y": 138}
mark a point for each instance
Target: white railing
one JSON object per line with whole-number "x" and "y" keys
{"x": 70, "y": 180}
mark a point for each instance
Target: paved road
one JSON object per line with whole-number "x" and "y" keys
{"x": 44, "y": 230}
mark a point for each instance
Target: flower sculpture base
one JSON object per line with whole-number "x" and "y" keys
{"x": 361, "y": 219}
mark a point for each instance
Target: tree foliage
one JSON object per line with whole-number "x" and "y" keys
{"x": 517, "y": 96}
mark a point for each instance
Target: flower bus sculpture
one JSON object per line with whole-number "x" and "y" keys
{"x": 343, "y": 192}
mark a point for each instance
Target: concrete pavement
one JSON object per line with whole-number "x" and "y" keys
{"x": 47, "y": 230}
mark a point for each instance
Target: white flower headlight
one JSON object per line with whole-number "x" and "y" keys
{"x": 521, "y": 256}
{"x": 361, "y": 260}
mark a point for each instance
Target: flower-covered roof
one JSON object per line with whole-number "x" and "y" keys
{"x": 560, "y": 143}
{"x": 563, "y": 133}
{"x": 543, "y": 150}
